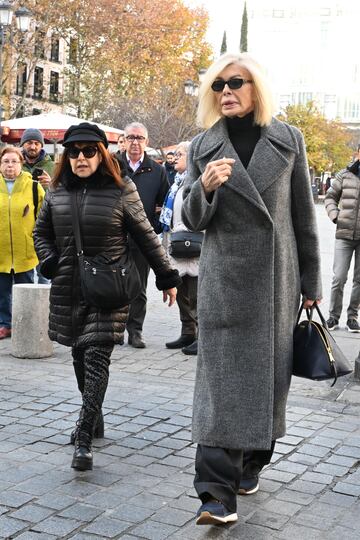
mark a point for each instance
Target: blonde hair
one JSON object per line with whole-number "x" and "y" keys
{"x": 12, "y": 149}
{"x": 208, "y": 110}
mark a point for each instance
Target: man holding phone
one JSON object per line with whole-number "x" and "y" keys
{"x": 39, "y": 164}
{"x": 36, "y": 161}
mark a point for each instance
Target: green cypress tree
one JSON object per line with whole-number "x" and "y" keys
{"x": 223, "y": 49}
{"x": 244, "y": 31}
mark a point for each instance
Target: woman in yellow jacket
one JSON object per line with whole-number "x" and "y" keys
{"x": 17, "y": 220}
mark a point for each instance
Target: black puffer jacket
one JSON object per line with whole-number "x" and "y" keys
{"x": 107, "y": 213}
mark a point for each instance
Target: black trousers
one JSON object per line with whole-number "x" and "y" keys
{"x": 137, "y": 309}
{"x": 186, "y": 299}
{"x": 91, "y": 366}
{"x": 219, "y": 471}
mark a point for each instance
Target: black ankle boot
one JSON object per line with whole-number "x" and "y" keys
{"x": 82, "y": 458}
{"x": 98, "y": 432}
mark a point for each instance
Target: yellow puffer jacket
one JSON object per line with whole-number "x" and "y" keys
{"x": 17, "y": 222}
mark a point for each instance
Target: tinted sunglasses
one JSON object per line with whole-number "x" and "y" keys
{"x": 87, "y": 151}
{"x": 233, "y": 84}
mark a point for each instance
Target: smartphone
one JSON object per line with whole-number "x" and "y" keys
{"x": 36, "y": 173}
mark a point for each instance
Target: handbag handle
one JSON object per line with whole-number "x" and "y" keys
{"x": 310, "y": 312}
{"x": 75, "y": 224}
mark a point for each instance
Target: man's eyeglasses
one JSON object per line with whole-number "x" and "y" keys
{"x": 9, "y": 162}
{"x": 133, "y": 138}
{"x": 87, "y": 151}
{"x": 233, "y": 84}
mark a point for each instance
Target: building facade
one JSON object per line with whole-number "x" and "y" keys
{"x": 310, "y": 50}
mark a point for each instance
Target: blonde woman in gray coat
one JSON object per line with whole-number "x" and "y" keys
{"x": 248, "y": 185}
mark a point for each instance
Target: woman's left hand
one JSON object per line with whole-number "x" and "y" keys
{"x": 171, "y": 293}
{"x": 308, "y": 303}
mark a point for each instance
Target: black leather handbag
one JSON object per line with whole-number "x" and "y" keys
{"x": 316, "y": 354}
{"x": 185, "y": 244}
{"x": 105, "y": 283}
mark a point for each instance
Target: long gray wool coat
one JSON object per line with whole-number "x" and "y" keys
{"x": 260, "y": 252}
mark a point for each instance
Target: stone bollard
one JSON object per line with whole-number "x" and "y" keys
{"x": 357, "y": 368}
{"x": 30, "y": 320}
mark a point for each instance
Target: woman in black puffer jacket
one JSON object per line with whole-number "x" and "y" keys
{"x": 109, "y": 208}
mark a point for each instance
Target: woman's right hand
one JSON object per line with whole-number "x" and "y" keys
{"x": 216, "y": 173}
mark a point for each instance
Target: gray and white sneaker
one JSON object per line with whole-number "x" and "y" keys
{"x": 332, "y": 324}
{"x": 352, "y": 325}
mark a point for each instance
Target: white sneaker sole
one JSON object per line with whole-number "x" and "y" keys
{"x": 352, "y": 331}
{"x": 248, "y": 491}
{"x": 333, "y": 328}
{"x": 206, "y": 518}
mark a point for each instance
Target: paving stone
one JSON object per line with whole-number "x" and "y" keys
{"x": 333, "y": 470}
{"x": 173, "y": 516}
{"x": 288, "y": 466}
{"x": 317, "y": 477}
{"x": 14, "y": 499}
{"x": 131, "y": 513}
{"x": 32, "y": 513}
{"x": 152, "y": 530}
{"x": 278, "y": 506}
{"x": 342, "y": 532}
{"x": 267, "y": 519}
{"x": 347, "y": 489}
{"x": 298, "y": 532}
{"x": 107, "y": 527}
{"x": 57, "y": 501}
{"x": 313, "y": 450}
{"x": 278, "y": 476}
{"x": 167, "y": 490}
{"x": 82, "y": 512}
{"x": 155, "y": 502}
{"x": 337, "y": 499}
{"x": 56, "y": 525}
{"x": 10, "y": 526}
{"x": 341, "y": 460}
{"x": 306, "y": 487}
{"x": 29, "y": 535}
{"x": 350, "y": 451}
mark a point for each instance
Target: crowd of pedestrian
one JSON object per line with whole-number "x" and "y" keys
{"x": 232, "y": 241}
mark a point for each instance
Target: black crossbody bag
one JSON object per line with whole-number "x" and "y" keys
{"x": 106, "y": 283}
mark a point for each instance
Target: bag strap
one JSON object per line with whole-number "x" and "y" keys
{"x": 310, "y": 312}
{"x": 35, "y": 195}
{"x": 75, "y": 224}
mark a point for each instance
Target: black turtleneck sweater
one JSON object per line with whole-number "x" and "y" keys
{"x": 243, "y": 135}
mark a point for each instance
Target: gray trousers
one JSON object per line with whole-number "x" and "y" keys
{"x": 187, "y": 301}
{"x": 344, "y": 250}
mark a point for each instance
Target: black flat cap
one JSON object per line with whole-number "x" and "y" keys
{"x": 85, "y": 132}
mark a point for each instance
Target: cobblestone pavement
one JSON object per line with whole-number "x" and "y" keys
{"x": 141, "y": 485}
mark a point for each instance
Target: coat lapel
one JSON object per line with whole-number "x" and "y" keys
{"x": 270, "y": 159}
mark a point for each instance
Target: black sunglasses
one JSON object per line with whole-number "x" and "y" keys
{"x": 233, "y": 84}
{"x": 87, "y": 151}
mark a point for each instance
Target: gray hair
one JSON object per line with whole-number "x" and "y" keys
{"x": 136, "y": 125}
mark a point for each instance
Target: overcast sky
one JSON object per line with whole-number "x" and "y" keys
{"x": 227, "y": 15}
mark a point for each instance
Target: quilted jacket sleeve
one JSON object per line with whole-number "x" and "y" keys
{"x": 143, "y": 233}
{"x": 44, "y": 240}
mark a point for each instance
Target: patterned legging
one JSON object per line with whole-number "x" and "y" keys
{"x": 91, "y": 365}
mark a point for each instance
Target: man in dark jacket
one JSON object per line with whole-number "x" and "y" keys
{"x": 39, "y": 164}
{"x": 152, "y": 185}
{"x": 169, "y": 167}
{"x": 35, "y": 156}
{"x": 345, "y": 189}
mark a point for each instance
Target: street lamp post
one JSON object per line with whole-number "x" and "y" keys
{"x": 23, "y": 17}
